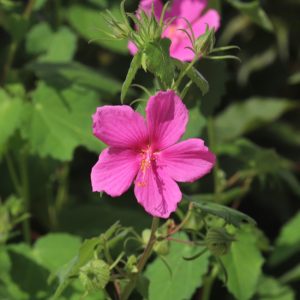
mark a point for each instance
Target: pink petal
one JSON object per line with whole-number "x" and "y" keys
{"x": 211, "y": 18}
{"x": 167, "y": 117}
{"x": 146, "y": 5}
{"x": 189, "y": 9}
{"x": 133, "y": 49}
{"x": 186, "y": 161}
{"x": 115, "y": 170}
{"x": 120, "y": 126}
{"x": 157, "y": 192}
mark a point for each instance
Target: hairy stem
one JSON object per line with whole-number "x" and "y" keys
{"x": 143, "y": 260}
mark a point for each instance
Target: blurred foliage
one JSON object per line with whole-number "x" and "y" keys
{"x": 57, "y": 66}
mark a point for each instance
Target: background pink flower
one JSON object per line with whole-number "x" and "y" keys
{"x": 146, "y": 153}
{"x": 192, "y": 10}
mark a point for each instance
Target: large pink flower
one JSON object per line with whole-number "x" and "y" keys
{"x": 146, "y": 152}
{"x": 191, "y": 10}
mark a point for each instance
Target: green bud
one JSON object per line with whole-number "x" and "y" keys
{"x": 218, "y": 241}
{"x": 131, "y": 264}
{"x": 205, "y": 43}
{"x": 95, "y": 274}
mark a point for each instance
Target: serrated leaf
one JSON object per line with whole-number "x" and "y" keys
{"x": 60, "y": 121}
{"x": 58, "y": 46}
{"x": 194, "y": 75}
{"x": 230, "y": 215}
{"x": 243, "y": 117}
{"x": 243, "y": 264}
{"x": 158, "y": 60}
{"x": 64, "y": 75}
{"x": 134, "y": 66}
{"x": 186, "y": 276}
{"x": 38, "y": 38}
{"x": 254, "y": 11}
{"x": 288, "y": 241}
{"x": 91, "y": 25}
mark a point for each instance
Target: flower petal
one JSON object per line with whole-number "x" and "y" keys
{"x": 188, "y": 9}
{"x": 158, "y": 193}
{"x": 120, "y": 126}
{"x": 167, "y": 117}
{"x": 187, "y": 161}
{"x": 211, "y": 18}
{"x": 146, "y": 5}
{"x": 115, "y": 170}
{"x": 133, "y": 49}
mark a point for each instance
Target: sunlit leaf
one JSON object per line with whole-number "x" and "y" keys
{"x": 243, "y": 117}
{"x": 60, "y": 121}
{"x": 288, "y": 242}
{"x": 91, "y": 25}
{"x": 186, "y": 275}
{"x": 243, "y": 264}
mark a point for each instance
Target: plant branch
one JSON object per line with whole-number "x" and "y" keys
{"x": 143, "y": 260}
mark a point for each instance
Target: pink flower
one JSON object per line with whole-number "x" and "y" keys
{"x": 146, "y": 152}
{"x": 191, "y": 10}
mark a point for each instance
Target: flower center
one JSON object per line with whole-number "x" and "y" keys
{"x": 148, "y": 156}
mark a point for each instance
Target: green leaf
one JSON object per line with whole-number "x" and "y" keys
{"x": 194, "y": 75}
{"x": 185, "y": 277}
{"x": 39, "y": 38}
{"x": 11, "y": 115}
{"x": 291, "y": 275}
{"x": 57, "y": 46}
{"x": 33, "y": 278}
{"x": 241, "y": 118}
{"x": 271, "y": 289}
{"x": 85, "y": 255}
{"x": 91, "y": 25}
{"x": 254, "y": 11}
{"x": 216, "y": 74}
{"x": 230, "y": 215}
{"x": 64, "y": 75}
{"x": 288, "y": 241}
{"x": 56, "y": 249}
{"x": 134, "y": 66}
{"x": 158, "y": 61}
{"x": 243, "y": 264}
{"x": 196, "y": 123}
{"x": 60, "y": 121}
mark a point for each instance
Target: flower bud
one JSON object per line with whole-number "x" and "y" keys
{"x": 204, "y": 44}
{"x": 162, "y": 247}
{"x": 131, "y": 264}
{"x": 218, "y": 241}
{"x": 95, "y": 274}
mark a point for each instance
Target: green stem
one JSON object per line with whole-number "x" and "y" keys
{"x": 143, "y": 260}
{"x": 184, "y": 72}
{"x": 14, "y": 45}
{"x": 208, "y": 283}
{"x": 212, "y": 144}
{"x": 13, "y": 174}
{"x": 25, "y": 194}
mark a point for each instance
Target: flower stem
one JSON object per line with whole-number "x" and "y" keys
{"x": 208, "y": 283}
{"x": 25, "y": 194}
{"x": 143, "y": 260}
{"x": 184, "y": 72}
{"x": 13, "y": 174}
{"x": 212, "y": 144}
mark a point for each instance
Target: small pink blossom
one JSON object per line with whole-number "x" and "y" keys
{"x": 191, "y": 10}
{"x": 146, "y": 152}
